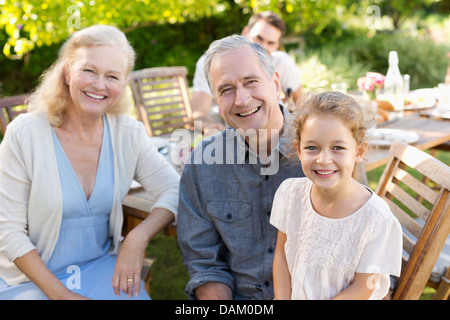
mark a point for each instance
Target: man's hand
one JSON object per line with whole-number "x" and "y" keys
{"x": 214, "y": 291}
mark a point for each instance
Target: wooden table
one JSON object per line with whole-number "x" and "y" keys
{"x": 432, "y": 132}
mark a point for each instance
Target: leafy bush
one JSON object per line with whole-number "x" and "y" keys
{"x": 322, "y": 67}
{"x": 423, "y": 60}
{"x": 337, "y": 56}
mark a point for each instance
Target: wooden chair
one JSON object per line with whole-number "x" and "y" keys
{"x": 400, "y": 183}
{"x": 161, "y": 99}
{"x": 442, "y": 287}
{"x": 10, "y": 107}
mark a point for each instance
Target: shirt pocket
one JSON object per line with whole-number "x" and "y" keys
{"x": 233, "y": 220}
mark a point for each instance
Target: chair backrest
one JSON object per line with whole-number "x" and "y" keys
{"x": 10, "y": 107}
{"x": 416, "y": 186}
{"x": 161, "y": 99}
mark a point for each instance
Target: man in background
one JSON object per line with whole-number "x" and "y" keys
{"x": 266, "y": 29}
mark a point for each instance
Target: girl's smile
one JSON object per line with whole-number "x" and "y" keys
{"x": 325, "y": 174}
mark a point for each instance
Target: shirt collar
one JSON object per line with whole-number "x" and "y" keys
{"x": 285, "y": 143}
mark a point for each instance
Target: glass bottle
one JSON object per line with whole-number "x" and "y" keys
{"x": 393, "y": 84}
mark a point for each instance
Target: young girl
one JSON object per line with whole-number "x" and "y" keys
{"x": 337, "y": 239}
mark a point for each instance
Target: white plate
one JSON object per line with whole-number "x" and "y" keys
{"x": 432, "y": 93}
{"x": 421, "y": 99}
{"x": 385, "y": 136}
{"x": 444, "y": 114}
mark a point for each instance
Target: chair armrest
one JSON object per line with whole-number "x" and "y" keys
{"x": 136, "y": 207}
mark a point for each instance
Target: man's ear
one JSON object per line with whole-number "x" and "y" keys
{"x": 276, "y": 80}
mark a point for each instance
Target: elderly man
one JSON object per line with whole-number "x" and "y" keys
{"x": 265, "y": 28}
{"x": 226, "y": 192}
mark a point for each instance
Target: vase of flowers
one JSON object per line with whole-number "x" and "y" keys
{"x": 371, "y": 84}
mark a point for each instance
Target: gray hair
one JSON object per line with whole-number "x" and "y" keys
{"x": 220, "y": 47}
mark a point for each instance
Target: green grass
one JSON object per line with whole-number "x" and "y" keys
{"x": 169, "y": 276}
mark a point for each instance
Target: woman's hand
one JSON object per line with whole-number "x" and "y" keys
{"x": 131, "y": 256}
{"x": 127, "y": 273}
{"x": 32, "y": 266}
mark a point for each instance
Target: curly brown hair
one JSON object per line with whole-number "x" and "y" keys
{"x": 332, "y": 103}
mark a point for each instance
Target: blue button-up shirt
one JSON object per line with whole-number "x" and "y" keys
{"x": 226, "y": 195}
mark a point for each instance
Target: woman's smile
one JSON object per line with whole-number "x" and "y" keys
{"x": 95, "y": 96}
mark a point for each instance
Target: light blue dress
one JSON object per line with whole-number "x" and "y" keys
{"x": 80, "y": 259}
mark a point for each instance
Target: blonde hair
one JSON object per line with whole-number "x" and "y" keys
{"x": 332, "y": 103}
{"x": 52, "y": 95}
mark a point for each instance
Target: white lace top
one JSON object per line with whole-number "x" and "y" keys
{"x": 324, "y": 254}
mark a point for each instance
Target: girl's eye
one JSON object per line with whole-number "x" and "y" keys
{"x": 311, "y": 148}
{"x": 338, "y": 148}
{"x": 88, "y": 70}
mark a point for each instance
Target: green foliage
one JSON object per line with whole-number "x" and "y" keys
{"x": 182, "y": 43}
{"x": 34, "y": 23}
{"x": 155, "y": 45}
{"x": 177, "y": 32}
{"x": 423, "y": 60}
{"x": 351, "y": 55}
{"x": 30, "y": 23}
{"x": 21, "y": 75}
{"x": 300, "y": 16}
{"x": 400, "y": 10}
{"x": 321, "y": 67}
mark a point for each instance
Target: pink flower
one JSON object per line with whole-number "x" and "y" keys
{"x": 371, "y": 81}
{"x": 366, "y": 84}
{"x": 377, "y": 77}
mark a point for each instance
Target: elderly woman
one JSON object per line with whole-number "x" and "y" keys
{"x": 65, "y": 168}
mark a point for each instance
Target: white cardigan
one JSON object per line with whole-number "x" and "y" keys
{"x": 30, "y": 190}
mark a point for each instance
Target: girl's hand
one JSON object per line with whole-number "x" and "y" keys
{"x": 361, "y": 288}
{"x": 281, "y": 276}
